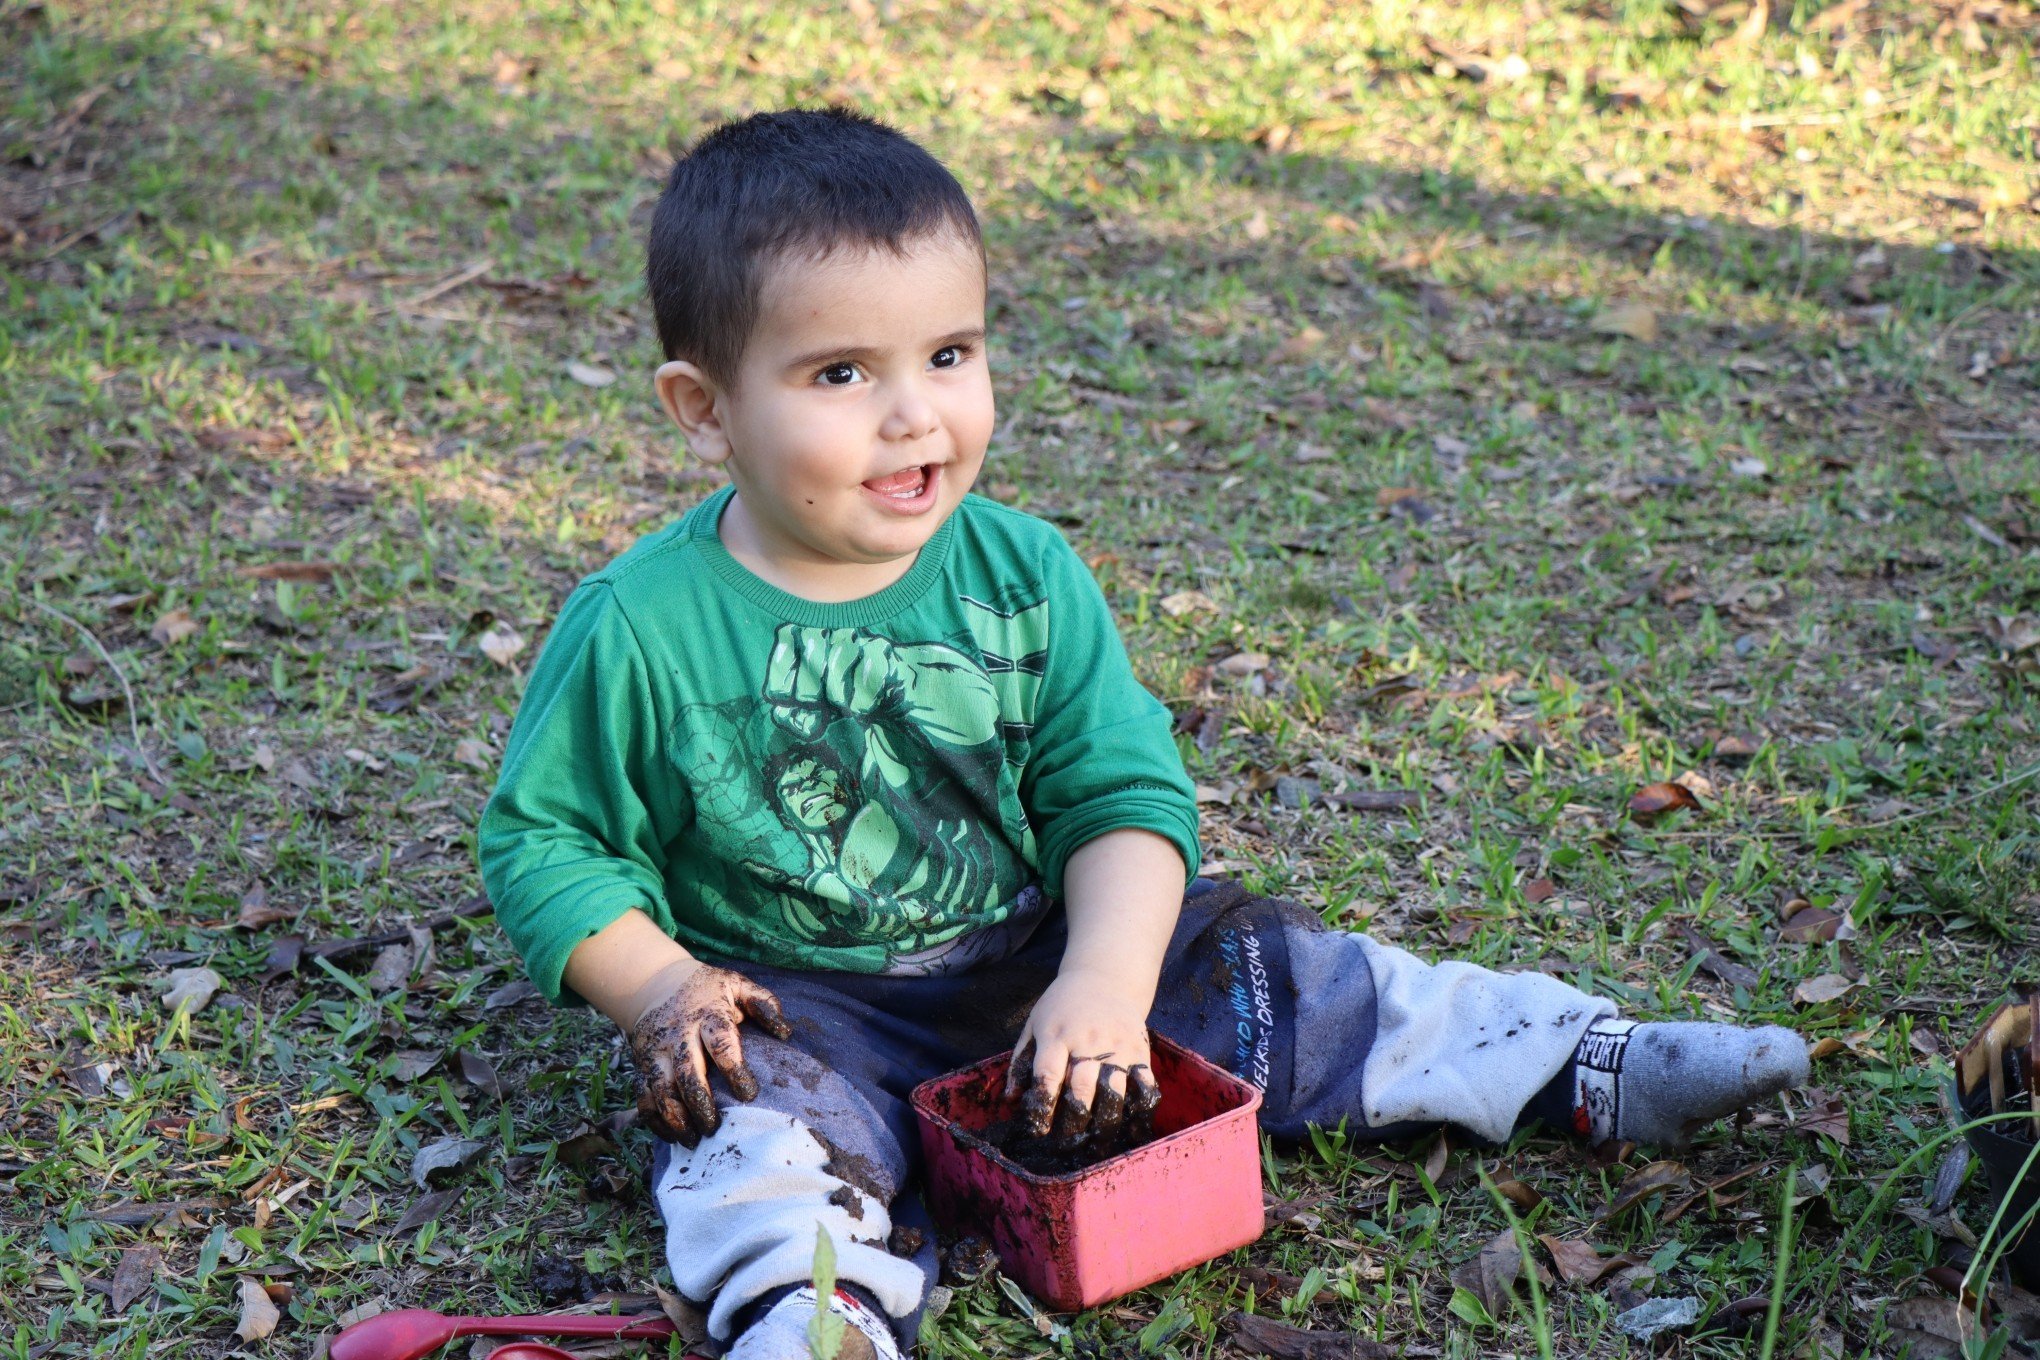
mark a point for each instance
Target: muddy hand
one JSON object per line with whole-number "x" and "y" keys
{"x": 674, "y": 1042}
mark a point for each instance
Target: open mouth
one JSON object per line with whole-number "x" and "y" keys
{"x": 908, "y": 488}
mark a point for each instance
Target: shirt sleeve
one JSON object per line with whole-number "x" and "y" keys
{"x": 1102, "y": 756}
{"x": 576, "y": 832}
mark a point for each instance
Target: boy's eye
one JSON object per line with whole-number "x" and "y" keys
{"x": 949, "y": 356}
{"x": 837, "y": 375}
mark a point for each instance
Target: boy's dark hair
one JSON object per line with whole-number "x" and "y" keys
{"x": 773, "y": 184}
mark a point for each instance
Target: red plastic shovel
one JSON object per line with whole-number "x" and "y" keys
{"x": 413, "y": 1333}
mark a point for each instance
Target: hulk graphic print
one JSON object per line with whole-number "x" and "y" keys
{"x": 862, "y": 801}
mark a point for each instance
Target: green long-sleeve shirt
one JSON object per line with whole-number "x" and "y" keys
{"x": 893, "y": 784}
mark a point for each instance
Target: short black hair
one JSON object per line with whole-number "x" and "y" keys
{"x": 794, "y": 181}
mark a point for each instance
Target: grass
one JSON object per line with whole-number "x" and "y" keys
{"x": 1661, "y": 405}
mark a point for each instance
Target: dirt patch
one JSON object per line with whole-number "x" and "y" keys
{"x": 1052, "y": 1154}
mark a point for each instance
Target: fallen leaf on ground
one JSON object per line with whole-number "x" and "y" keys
{"x": 1827, "y": 987}
{"x": 1186, "y": 602}
{"x": 589, "y": 375}
{"x": 476, "y": 755}
{"x": 391, "y": 969}
{"x": 1539, "y": 890}
{"x": 256, "y": 911}
{"x": 689, "y": 1322}
{"x": 284, "y": 953}
{"x": 1641, "y": 1184}
{"x": 190, "y": 989}
{"x": 426, "y": 1208}
{"x": 174, "y": 626}
{"x": 1653, "y": 801}
{"x": 1815, "y": 925}
{"x": 258, "y": 1314}
{"x": 511, "y": 994}
{"x": 479, "y": 1073}
{"x": 444, "y": 1154}
{"x": 501, "y": 644}
{"x": 135, "y": 1275}
{"x": 1826, "y": 1114}
{"x": 407, "y": 1065}
{"x": 1439, "y": 1155}
{"x": 1279, "y": 1341}
{"x": 1579, "y": 1261}
{"x": 1491, "y": 1275}
{"x": 1243, "y": 663}
{"x": 1633, "y": 319}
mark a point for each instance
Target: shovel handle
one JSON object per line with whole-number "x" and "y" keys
{"x": 539, "y": 1324}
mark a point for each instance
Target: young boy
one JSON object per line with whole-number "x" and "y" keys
{"x": 859, "y": 758}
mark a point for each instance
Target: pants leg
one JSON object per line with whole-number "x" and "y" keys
{"x": 1334, "y": 1026}
{"x": 831, "y": 1142}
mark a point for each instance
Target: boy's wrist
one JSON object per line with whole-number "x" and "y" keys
{"x": 655, "y": 989}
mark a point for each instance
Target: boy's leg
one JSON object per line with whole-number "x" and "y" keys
{"x": 1336, "y": 1026}
{"x": 829, "y": 1142}
{"x": 815, "y": 1150}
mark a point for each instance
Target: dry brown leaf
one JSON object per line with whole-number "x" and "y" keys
{"x": 258, "y": 1314}
{"x": 391, "y": 969}
{"x": 589, "y": 375}
{"x": 135, "y": 1275}
{"x": 1580, "y": 1262}
{"x": 1653, "y": 801}
{"x": 1243, "y": 663}
{"x": 1633, "y": 319}
{"x": 256, "y": 911}
{"x": 501, "y": 644}
{"x": 479, "y": 1073}
{"x": 174, "y": 627}
{"x": 1539, "y": 890}
{"x": 1827, "y": 987}
{"x": 1440, "y": 1154}
{"x": 1815, "y": 925}
{"x": 1187, "y": 602}
{"x": 1641, "y": 1184}
{"x": 1491, "y": 1276}
{"x": 476, "y": 755}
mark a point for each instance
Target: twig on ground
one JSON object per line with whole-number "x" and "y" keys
{"x": 134, "y": 728}
{"x": 444, "y": 286}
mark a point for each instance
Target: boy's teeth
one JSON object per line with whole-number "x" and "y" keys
{"x": 906, "y": 483}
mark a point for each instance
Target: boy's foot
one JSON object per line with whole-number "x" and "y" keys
{"x": 781, "y": 1331}
{"x": 1652, "y": 1083}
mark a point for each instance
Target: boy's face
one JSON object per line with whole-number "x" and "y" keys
{"x": 861, "y": 410}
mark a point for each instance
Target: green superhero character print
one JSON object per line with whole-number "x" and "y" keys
{"x": 863, "y": 800}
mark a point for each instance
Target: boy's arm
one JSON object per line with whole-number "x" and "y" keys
{"x": 1085, "y": 1046}
{"x": 573, "y": 850}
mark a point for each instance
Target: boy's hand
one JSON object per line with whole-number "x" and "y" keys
{"x": 1084, "y": 1059}
{"x": 673, "y": 1042}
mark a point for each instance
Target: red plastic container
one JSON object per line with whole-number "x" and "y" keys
{"x": 1076, "y": 1241}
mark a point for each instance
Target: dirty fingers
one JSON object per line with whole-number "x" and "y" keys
{"x": 675, "y": 1041}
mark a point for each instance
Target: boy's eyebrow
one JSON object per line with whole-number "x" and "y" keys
{"x": 971, "y": 336}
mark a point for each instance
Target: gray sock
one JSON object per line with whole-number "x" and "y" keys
{"x": 1651, "y": 1083}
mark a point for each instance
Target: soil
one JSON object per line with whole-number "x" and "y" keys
{"x": 1053, "y": 1155}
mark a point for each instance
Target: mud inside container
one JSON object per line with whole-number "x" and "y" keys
{"x": 990, "y": 1122}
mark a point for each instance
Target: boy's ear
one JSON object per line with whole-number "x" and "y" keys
{"x": 689, "y": 397}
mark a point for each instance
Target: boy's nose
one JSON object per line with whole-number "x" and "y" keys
{"x": 912, "y": 417}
